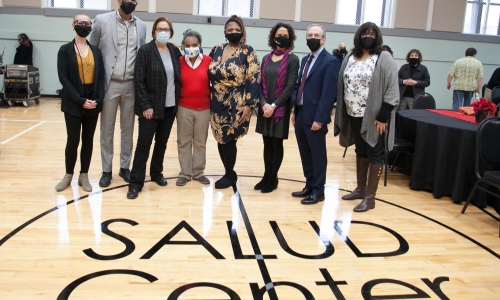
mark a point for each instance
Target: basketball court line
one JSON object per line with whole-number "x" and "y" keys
{"x": 21, "y": 133}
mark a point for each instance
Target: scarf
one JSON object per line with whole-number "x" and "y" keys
{"x": 280, "y": 81}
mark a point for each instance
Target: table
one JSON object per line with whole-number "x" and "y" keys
{"x": 444, "y": 157}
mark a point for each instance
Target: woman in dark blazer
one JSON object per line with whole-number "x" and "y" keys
{"x": 157, "y": 79}
{"x": 81, "y": 73}
{"x": 413, "y": 79}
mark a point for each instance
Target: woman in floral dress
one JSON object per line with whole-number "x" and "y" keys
{"x": 235, "y": 78}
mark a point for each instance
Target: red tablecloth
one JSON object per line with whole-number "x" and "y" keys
{"x": 455, "y": 115}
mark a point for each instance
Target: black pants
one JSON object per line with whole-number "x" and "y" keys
{"x": 87, "y": 125}
{"x": 375, "y": 155}
{"x": 273, "y": 155}
{"x": 160, "y": 130}
{"x": 227, "y": 153}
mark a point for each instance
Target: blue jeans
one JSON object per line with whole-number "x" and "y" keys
{"x": 461, "y": 98}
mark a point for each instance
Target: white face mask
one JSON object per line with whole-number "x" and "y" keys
{"x": 192, "y": 51}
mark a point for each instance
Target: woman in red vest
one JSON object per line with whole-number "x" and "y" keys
{"x": 193, "y": 115}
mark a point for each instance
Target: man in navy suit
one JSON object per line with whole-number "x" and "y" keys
{"x": 314, "y": 97}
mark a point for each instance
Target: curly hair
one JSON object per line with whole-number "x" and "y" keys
{"x": 239, "y": 21}
{"x": 416, "y": 51}
{"x": 272, "y": 35}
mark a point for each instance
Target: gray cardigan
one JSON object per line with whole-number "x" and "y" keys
{"x": 383, "y": 99}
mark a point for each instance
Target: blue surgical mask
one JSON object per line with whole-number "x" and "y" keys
{"x": 163, "y": 37}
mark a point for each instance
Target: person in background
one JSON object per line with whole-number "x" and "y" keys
{"x": 468, "y": 74}
{"x": 193, "y": 114}
{"x": 413, "y": 79}
{"x": 119, "y": 35}
{"x": 493, "y": 82}
{"x": 368, "y": 96}
{"x": 388, "y": 49}
{"x": 279, "y": 75}
{"x": 234, "y": 75}
{"x": 313, "y": 98}
{"x": 340, "y": 52}
{"x": 24, "y": 52}
{"x": 81, "y": 72}
{"x": 157, "y": 88}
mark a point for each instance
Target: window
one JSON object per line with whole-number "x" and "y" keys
{"x": 482, "y": 17}
{"x": 242, "y": 8}
{"x": 357, "y": 12}
{"x": 89, "y": 4}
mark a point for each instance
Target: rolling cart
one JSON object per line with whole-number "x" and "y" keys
{"x": 21, "y": 84}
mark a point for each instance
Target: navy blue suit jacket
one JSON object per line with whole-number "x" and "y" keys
{"x": 320, "y": 88}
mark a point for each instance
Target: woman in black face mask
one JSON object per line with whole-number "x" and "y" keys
{"x": 279, "y": 75}
{"x": 24, "y": 52}
{"x": 413, "y": 79}
{"x": 81, "y": 72}
{"x": 234, "y": 75}
{"x": 366, "y": 102}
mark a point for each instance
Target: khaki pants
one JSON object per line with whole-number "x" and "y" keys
{"x": 192, "y": 133}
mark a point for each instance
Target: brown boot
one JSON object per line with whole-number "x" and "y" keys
{"x": 368, "y": 202}
{"x": 361, "y": 174}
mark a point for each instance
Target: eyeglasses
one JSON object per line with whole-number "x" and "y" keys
{"x": 82, "y": 23}
{"x": 163, "y": 30}
{"x": 133, "y": 1}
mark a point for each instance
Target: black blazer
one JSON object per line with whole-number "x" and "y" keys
{"x": 421, "y": 75}
{"x": 150, "y": 79}
{"x": 73, "y": 93}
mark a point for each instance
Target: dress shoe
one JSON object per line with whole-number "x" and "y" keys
{"x": 203, "y": 180}
{"x": 125, "y": 174}
{"x": 270, "y": 185}
{"x": 226, "y": 181}
{"x": 161, "y": 181}
{"x": 105, "y": 179}
{"x": 304, "y": 193}
{"x": 313, "y": 199}
{"x": 261, "y": 183}
{"x": 132, "y": 193}
{"x": 181, "y": 181}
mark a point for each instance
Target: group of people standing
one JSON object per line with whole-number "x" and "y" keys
{"x": 117, "y": 68}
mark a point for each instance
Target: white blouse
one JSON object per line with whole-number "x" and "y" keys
{"x": 357, "y": 78}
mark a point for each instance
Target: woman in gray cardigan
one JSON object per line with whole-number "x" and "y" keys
{"x": 368, "y": 95}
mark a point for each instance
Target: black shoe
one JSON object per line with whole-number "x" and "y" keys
{"x": 224, "y": 182}
{"x": 132, "y": 193}
{"x": 313, "y": 199}
{"x": 105, "y": 179}
{"x": 270, "y": 186}
{"x": 304, "y": 193}
{"x": 125, "y": 174}
{"x": 261, "y": 183}
{"x": 161, "y": 181}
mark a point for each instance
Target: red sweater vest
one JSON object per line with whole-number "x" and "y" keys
{"x": 195, "y": 90}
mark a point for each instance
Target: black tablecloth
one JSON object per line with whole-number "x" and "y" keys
{"x": 444, "y": 157}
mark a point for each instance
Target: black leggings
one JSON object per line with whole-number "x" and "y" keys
{"x": 87, "y": 125}
{"x": 227, "y": 154}
{"x": 375, "y": 155}
{"x": 273, "y": 155}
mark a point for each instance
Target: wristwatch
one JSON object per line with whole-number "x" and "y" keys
{"x": 273, "y": 105}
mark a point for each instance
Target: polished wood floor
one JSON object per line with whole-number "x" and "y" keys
{"x": 196, "y": 242}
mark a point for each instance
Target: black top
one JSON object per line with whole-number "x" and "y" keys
{"x": 409, "y": 90}
{"x": 150, "y": 79}
{"x": 73, "y": 95}
{"x": 494, "y": 80}
{"x": 24, "y": 55}
{"x": 420, "y": 74}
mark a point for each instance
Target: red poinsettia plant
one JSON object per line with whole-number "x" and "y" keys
{"x": 484, "y": 105}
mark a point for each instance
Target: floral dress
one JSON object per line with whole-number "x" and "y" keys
{"x": 235, "y": 83}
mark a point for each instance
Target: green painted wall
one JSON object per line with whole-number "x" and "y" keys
{"x": 49, "y": 33}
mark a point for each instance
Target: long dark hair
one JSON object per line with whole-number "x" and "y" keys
{"x": 357, "y": 51}
{"x": 239, "y": 21}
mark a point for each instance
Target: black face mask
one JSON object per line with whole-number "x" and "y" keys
{"x": 82, "y": 30}
{"x": 343, "y": 51}
{"x": 282, "y": 41}
{"x": 314, "y": 44}
{"x": 234, "y": 37}
{"x": 413, "y": 60}
{"x": 367, "y": 42}
{"x": 127, "y": 7}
